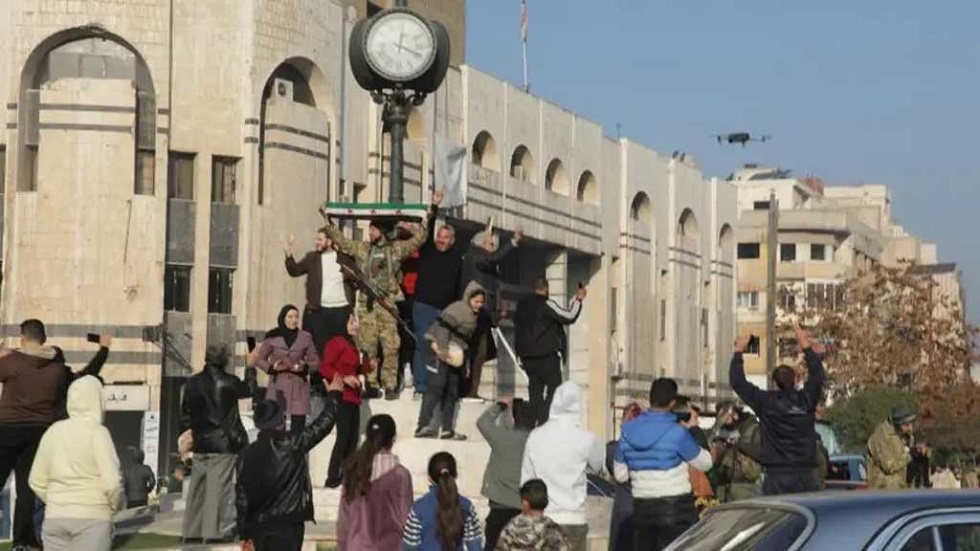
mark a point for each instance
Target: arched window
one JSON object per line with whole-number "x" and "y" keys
{"x": 484, "y": 153}
{"x": 522, "y": 165}
{"x": 87, "y": 53}
{"x": 726, "y": 244}
{"x": 640, "y": 209}
{"x": 588, "y": 188}
{"x": 688, "y": 234}
{"x": 555, "y": 179}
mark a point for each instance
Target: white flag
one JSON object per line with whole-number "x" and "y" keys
{"x": 451, "y": 174}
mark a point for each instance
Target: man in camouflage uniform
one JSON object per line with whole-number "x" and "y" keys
{"x": 888, "y": 455}
{"x": 379, "y": 261}
{"x": 737, "y": 444}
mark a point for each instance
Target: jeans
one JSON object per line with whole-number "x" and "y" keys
{"x": 544, "y": 377}
{"x": 279, "y": 536}
{"x": 441, "y": 391}
{"x": 789, "y": 482}
{"x": 423, "y": 316}
{"x": 658, "y": 522}
{"x": 18, "y": 445}
{"x": 496, "y": 521}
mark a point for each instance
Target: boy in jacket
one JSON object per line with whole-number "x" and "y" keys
{"x": 532, "y": 529}
{"x": 273, "y": 493}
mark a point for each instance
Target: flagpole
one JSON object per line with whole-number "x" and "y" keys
{"x": 524, "y": 21}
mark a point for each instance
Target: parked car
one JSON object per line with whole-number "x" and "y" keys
{"x": 847, "y": 472}
{"x": 927, "y": 520}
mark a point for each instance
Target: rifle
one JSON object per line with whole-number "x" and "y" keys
{"x": 379, "y": 297}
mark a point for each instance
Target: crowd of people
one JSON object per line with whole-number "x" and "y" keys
{"x": 410, "y": 307}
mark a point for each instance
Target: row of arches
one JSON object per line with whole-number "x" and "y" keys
{"x": 688, "y": 232}
{"x": 485, "y": 154}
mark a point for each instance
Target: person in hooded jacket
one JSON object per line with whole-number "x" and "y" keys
{"x": 448, "y": 339}
{"x": 287, "y": 353}
{"x": 76, "y": 474}
{"x": 654, "y": 454}
{"x": 482, "y": 265}
{"x": 273, "y": 492}
{"x": 562, "y": 453}
{"x": 138, "y": 480}
{"x": 33, "y": 380}
{"x": 210, "y": 409}
{"x": 787, "y": 418}
{"x": 377, "y": 494}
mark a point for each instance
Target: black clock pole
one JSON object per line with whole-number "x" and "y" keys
{"x": 396, "y": 119}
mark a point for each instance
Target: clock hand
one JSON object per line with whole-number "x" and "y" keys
{"x": 413, "y": 52}
{"x": 401, "y": 38}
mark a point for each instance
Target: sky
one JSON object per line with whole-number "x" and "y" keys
{"x": 867, "y": 91}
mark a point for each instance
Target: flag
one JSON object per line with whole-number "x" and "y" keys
{"x": 524, "y": 20}
{"x": 451, "y": 173}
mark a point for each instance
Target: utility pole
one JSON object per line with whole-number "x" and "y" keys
{"x": 772, "y": 243}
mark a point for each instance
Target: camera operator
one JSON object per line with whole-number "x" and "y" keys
{"x": 689, "y": 417}
{"x": 735, "y": 443}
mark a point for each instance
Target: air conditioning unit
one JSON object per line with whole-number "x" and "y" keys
{"x": 282, "y": 89}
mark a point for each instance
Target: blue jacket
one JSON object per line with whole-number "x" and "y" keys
{"x": 655, "y": 442}
{"x": 421, "y": 533}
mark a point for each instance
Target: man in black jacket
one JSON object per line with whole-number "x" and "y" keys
{"x": 541, "y": 343}
{"x": 273, "y": 494}
{"x": 786, "y": 417}
{"x": 210, "y": 409}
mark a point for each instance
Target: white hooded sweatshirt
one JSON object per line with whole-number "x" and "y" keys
{"x": 76, "y": 470}
{"x": 561, "y": 453}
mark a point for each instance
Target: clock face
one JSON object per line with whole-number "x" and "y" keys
{"x": 400, "y": 47}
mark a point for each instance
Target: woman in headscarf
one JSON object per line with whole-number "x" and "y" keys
{"x": 287, "y": 354}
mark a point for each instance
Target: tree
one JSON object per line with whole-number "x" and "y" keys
{"x": 892, "y": 327}
{"x": 856, "y": 416}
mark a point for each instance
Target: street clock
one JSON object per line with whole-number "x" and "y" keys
{"x": 398, "y": 48}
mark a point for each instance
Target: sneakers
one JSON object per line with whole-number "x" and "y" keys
{"x": 453, "y": 435}
{"x": 425, "y": 432}
{"x": 392, "y": 394}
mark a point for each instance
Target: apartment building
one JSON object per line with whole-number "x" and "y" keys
{"x": 825, "y": 234}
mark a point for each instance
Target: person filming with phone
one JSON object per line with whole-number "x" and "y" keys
{"x": 787, "y": 418}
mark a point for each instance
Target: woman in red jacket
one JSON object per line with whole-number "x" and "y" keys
{"x": 341, "y": 358}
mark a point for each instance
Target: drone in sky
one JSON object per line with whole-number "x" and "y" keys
{"x": 741, "y": 138}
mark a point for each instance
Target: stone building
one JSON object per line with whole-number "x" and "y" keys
{"x": 156, "y": 154}
{"x": 825, "y": 235}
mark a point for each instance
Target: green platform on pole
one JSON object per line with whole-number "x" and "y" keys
{"x": 365, "y": 211}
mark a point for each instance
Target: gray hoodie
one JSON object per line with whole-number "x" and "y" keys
{"x": 502, "y": 479}
{"x": 457, "y": 322}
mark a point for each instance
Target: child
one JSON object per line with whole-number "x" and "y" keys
{"x": 442, "y": 520}
{"x": 531, "y": 529}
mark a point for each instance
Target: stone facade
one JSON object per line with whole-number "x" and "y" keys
{"x": 156, "y": 160}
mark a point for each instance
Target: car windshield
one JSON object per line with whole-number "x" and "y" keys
{"x": 743, "y": 529}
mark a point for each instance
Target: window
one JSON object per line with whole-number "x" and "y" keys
{"x": 180, "y": 177}
{"x": 145, "y": 168}
{"x": 704, "y": 328}
{"x": 818, "y": 251}
{"x": 787, "y": 300}
{"x": 223, "y": 179}
{"x": 951, "y": 536}
{"x": 787, "y": 252}
{"x": 219, "y": 290}
{"x": 748, "y": 300}
{"x": 760, "y": 205}
{"x": 663, "y": 320}
{"x": 744, "y": 529}
{"x": 824, "y": 296}
{"x": 177, "y": 288}
{"x": 748, "y": 250}
{"x": 614, "y": 310}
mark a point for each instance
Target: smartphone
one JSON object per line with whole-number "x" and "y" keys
{"x": 753, "y": 342}
{"x": 581, "y": 285}
{"x": 250, "y": 342}
{"x": 93, "y": 338}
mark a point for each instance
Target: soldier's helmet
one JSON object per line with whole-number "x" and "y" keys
{"x": 901, "y": 415}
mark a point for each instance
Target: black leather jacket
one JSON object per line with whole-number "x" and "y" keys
{"x": 210, "y": 409}
{"x": 273, "y": 476}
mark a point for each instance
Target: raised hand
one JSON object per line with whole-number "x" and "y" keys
{"x": 437, "y": 196}
{"x": 518, "y": 234}
{"x": 105, "y": 341}
{"x": 742, "y": 343}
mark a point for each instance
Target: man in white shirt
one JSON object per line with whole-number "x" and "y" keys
{"x": 328, "y": 294}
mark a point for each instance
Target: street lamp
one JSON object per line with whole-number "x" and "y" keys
{"x": 400, "y": 57}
